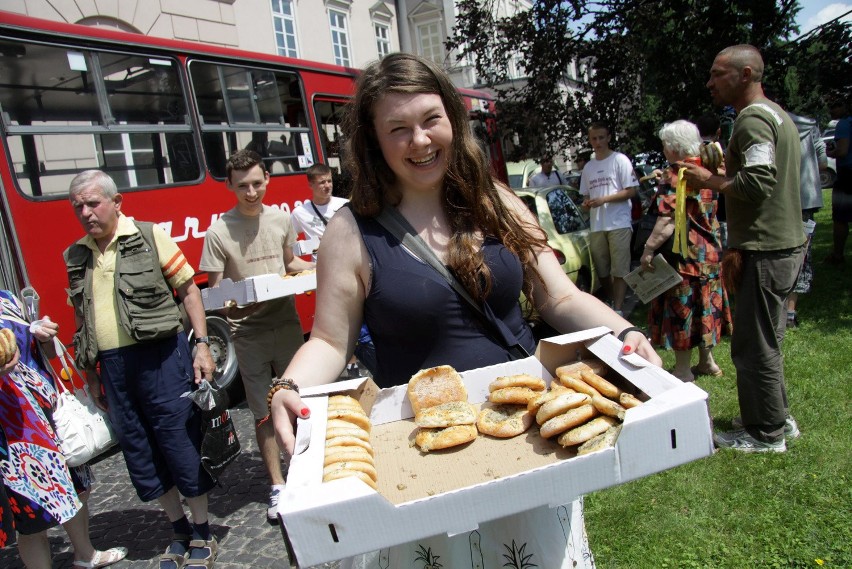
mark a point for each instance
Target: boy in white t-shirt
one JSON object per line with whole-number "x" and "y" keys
{"x": 312, "y": 216}
{"x": 608, "y": 182}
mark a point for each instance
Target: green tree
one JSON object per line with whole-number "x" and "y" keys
{"x": 650, "y": 63}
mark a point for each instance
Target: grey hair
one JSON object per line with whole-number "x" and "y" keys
{"x": 681, "y": 137}
{"x": 89, "y": 178}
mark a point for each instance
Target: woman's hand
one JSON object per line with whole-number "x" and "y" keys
{"x": 636, "y": 343}
{"x": 285, "y": 407}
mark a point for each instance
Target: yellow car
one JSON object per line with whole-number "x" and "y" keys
{"x": 567, "y": 227}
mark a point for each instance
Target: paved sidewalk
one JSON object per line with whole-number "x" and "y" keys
{"x": 237, "y": 515}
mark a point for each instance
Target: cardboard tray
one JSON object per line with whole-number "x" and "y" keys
{"x": 453, "y": 491}
{"x": 256, "y": 289}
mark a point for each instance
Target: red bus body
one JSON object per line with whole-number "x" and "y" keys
{"x": 37, "y": 220}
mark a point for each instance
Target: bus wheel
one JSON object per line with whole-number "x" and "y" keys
{"x": 227, "y": 374}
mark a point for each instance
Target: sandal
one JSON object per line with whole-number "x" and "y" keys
{"x": 103, "y": 558}
{"x": 210, "y": 547}
{"x": 699, "y": 370}
{"x": 172, "y": 561}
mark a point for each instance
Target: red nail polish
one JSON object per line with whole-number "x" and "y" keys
{"x": 304, "y": 411}
{"x": 627, "y": 349}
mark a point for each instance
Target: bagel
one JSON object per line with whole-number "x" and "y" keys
{"x": 568, "y": 420}
{"x": 433, "y": 386}
{"x": 560, "y": 404}
{"x": 446, "y": 415}
{"x": 518, "y": 380}
{"x": 504, "y": 421}
{"x": 436, "y": 439}
{"x": 586, "y": 431}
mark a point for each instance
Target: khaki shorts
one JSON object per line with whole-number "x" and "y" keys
{"x": 611, "y": 251}
{"x": 263, "y": 355}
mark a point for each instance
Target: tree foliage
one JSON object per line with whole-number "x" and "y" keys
{"x": 650, "y": 63}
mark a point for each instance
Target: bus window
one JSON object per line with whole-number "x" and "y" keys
{"x": 66, "y": 110}
{"x": 257, "y": 109}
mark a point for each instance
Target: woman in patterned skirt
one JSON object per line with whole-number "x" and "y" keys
{"x": 696, "y": 312}
{"x": 39, "y": 490}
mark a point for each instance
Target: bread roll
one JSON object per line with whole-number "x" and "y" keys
{"x": 504, "y": 421}
{"x": 586, "y": 431}
{"x": 436, "y": 439}
{"x": 568, "y": 420}
{"x": 560, "y": 404}
{"x": 446, "y": 415}
{"x": 433, "y": 386}
{"x": 599, "y": 383}
{"x": 575, "y": 368}
{"x": 608, "y": 407}
{"x": 519, "y": 380}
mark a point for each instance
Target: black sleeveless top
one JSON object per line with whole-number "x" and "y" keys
{"x": 418, "y": 321}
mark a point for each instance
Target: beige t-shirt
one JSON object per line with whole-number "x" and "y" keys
{"x": 241, "y": 246}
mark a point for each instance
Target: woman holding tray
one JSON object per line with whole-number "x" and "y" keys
{"x": 411, "y": 150}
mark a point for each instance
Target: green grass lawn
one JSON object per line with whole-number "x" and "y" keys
{"x": 742, "y": 511}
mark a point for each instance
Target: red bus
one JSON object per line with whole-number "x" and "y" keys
{"x": 161, "y": 117}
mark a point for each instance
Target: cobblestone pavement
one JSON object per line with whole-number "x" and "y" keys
{"x": 237, "y": 515}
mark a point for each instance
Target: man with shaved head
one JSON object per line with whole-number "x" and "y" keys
{"x": 761, "y": 189}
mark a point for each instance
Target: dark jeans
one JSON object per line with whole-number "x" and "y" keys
{"x": 760, "y": 320}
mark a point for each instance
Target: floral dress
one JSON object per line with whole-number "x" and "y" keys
{"x": 38, "y": 489}
{"x": 695, "y": 313}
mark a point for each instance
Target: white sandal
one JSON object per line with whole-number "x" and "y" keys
{"x": 103, "y": 558}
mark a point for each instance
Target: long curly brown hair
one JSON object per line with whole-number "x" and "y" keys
{"x": 471, "y": 199}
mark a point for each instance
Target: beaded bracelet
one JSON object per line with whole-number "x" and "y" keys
{"x": 278, "y": 385}
{"x": 623, "y": 334}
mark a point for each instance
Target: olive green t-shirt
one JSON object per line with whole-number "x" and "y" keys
{"x": 763, "y": 205}
{"x": 241, "y": 246}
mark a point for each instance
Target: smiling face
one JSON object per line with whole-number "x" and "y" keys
{"x": 415, "y": 136}
{"x": 97, "y": 213}
{"x": 249, "y": 187}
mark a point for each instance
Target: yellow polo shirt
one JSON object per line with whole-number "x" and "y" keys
{"x": 108, "y": 330}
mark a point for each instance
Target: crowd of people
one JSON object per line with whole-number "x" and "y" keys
{"x": 411, "y": 154}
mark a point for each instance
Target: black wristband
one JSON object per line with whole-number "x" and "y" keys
{"x": 626, "y": 331}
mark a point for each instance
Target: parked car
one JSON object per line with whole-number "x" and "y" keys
{"x": 567, "y": 227}
{"x": 521, "y": 172}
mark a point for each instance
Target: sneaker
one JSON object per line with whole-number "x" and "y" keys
{"x": 742, "y": 441}
{"x": 792, "y": 320}
{"x": 272, "y": 511}
{"x": 791, "y": 427}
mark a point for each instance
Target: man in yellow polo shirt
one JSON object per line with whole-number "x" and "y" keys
{"x": 137, "y": 360}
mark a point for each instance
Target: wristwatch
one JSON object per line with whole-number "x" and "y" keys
{"x": 202, "y": 340}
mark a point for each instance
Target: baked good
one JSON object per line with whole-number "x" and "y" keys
{"x": 504, "y": 421}
{"x": 514, "y": 395}
{"x": 518, "y": 380}
{"x": 345, "y": 454}
{"x": 628, "y": 401}
{"x": 351, "y": 416}
{"x": 540, "y": 399}
{"x": 346, "y": 473}
{"x": 575, "y": 368}
{"x": 436, "y": 439}
{"x": 446, "y": 415}
{"x": 602, "y": 441}
{"x": 578, "y": 384}
{"x": 562, "y": 403}
{"x": 582, "y": 433}
{"x": 603, "y": 386}
{"x": 348, "y": 441}
{"x": 344, "y": 402}
{"x": 568, "y": 420}
{"x": 608, "y": 407}
{"x": 8, "y": 345}
{"x": 351, "y": 465}
{"x": 433, "y": 386}
{"x": 349, "y": 430}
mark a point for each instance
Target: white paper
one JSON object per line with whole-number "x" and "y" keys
{"x": 650, "y": 284}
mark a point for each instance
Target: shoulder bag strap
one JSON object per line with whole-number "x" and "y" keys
{"x": 321, "y": 216}
{"x": 558, "y": 177}
{"x": 399, "y": 227}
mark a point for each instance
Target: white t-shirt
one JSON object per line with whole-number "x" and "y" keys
{"x": 603, "y": 178}
{"x": 542, "y": 180}
{"x": 306, "y": 220}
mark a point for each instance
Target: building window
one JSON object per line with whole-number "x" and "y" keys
{"x": 339, "y": 37}
{"x": 431, "y": 41}
{"x": 383, "y": 44}
{"x": 285, "y": 27}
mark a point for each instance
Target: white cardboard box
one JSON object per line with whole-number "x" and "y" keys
{"x": 256, "y": 289}
{"x": 453, "y": 491}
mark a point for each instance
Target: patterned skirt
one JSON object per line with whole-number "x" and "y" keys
{"x": 695, "y": 313}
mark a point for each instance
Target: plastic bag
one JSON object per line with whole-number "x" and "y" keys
{"x": 220, "y": 445}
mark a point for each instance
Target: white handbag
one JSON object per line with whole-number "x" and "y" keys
{"x": 84, "y": 431}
